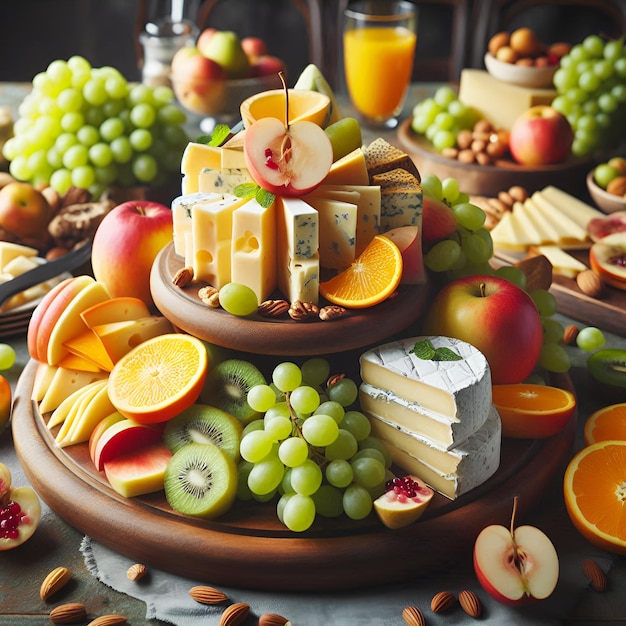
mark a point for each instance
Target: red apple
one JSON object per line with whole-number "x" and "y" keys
{"x": 540, "y": 136}
{"x": 125, "y": 245}
{"x": 254, "y": 47}
{"x": 189, "y": 65}
{"x": 607, "y": 258}
{"x": 516, "y": 566}
{"x": 267, "y": 65}
{"x": 204, "y": 37}
{"x": 99, "y": 429}
{"x": 494, "y": 315}
{"x": 287, "y": 160}
{"x": 409, "y": 242}
{"x": 438, "y": 221}
{"x": 25, "y": 212}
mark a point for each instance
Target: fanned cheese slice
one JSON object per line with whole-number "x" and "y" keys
{"x": 577, "y": 210}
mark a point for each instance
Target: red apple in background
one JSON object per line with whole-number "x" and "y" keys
{"x": 25, "y": 212}
{"x": 126, "y": 244}
{"x": 267, "y": 65}
{"x": 287, "y": 161}
{"x": 204, "y": 37}
{"x": 438, "y": 221}
{"x": 409, "y": 242}
{"x": 254, "y": 47}
{"x": 516, "y": 566}
{"x": 540, "y": 136}
{"x": 494, "y": 315}
{"x": 189, "y": 64}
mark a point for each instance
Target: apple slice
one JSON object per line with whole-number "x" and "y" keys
{"x": 607, "y": 257}
{"x": 516, "y": 565}
{"x": 409, "y": 242}
{"x": 99, "y": 429}
{"x": 121, "y": 438}
{"x": 438, "y": 221}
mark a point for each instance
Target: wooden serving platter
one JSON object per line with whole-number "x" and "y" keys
{"x": 284, "y": 336}
{"x": 489, "y": 180}
{"x": 248, "y": 547}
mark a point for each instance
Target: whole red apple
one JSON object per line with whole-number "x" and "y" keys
{"x": 126, "y": 244}
{"x": 204, "y": 37}
{"x": 494, "y": 315}
{"x": 24, "y": 211}
{"x": 540, "y": 136}
{"x": 267, "y": 65}
{"x": 254, "y": 47}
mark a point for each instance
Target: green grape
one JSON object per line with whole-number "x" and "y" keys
{"x": 18, "y": 168}
{"x": 257, "y": 424}
{"x": 285, "y": 483}
{"x": 513, "y": 274}
{"x": 111, "y": 128}
{"x": 377, "y": 444}
{"x": 145, "y": 169}
{"x": 345, "y": 392}
{"x": 238, "y": 299}
{"x": 320, "y": 430}
{"x": 345, "y": 446}
{"x": 75, "y": 156}
{"x": 444, "y": 96}
{"x": 140, "y": 139}
{"x": 298, "y": 513}
{"x": 107, "y": 174}
{"x": 339, "y": 473}
{"x": 261, "y": 398}
{"x": 604, "y": 173}
{"x": 83, "y": 176}
{"x": 255, "y": 446}
{"x": 100, "y": 154}
{"x": 287, "y": 376}
{"x": 7, "y": 356}
{"x": 293, "y": 451}
{"x": 72, "y": 121}
{"x": 590, "y": 338}
{"x": 334, "y": 409}
{"x": 554, "y": 358}
{"x": 59, "y": 73}
{"x": 279, "y": 427}
{"x": 121, "y": 149}
{"x": 370, "y": 453}
{"x": 94, "y": 91}
{"x": 328, "y": 501}
{"x": 306, "y": 478}
{"x": 443, "y": 139}
{"x": 61, "y": 180}
{"x": 315, "y": 371}
{"x": 266, "y": 475}
{"x": 468, "y": 215}
{"x": 545, "y": 302}
{"x": 450, "y": 189}
{"x": 368, "y": 472}
{"x": 552, "y": 330}
{"x": 143, "y": 115}
{"x": 431, "y": 186}
{"x": 443, "y": 255}
{"x": 357, "y": 502}
{"x": 279, "y": 409}
{"x": 304, "y": 399}
{"x": 243, "y": 470}
{"x": 357, "y": 423}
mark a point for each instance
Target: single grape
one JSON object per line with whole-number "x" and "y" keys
{"x": 334, "y": 409}
{"x": 328, "y": 501}
{"x": 7, "y": 356}
{"x": 443, "y": 255}
{"x": 266, "y": 475}
{"x": 339, "y": 473}
{"x": 320, "y": 430}
{"x": 298, "y": 513}
{"x": 255, "y": 446}
{"x": 293, "y": 451}
{"x": 238, "y": 299}
{"x": 344, "y": 391}
{"x": 552, "y": 330}
{"x": 431, "y": 186}
{"x": 554, "y": 358}
{"x": 357, "y": 502}
{"x": 279, "y": 427}
{"x": 590, "y": 338}
{"x": 469, "y": 215}
{"x": 357, "y": 423}
{"x": 315, "y": 371}
{"x": 261, "y": 398}
{"x": 287, "y": 376}
{"x": 370, "y": 453}
{"x": 450, "y": 189}
{"x": 345, "y": 446}
{"x": 513, "y": 274}
{"x": 604, "y": 173}
{"x": 377, "y": 444}
{"x": 545, "y": 302}
{"x": 304, "y": 399}
{"x": 145, "y": 169}
{"x": 306, "y": 478}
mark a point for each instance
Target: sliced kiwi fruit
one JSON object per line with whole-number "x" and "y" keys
{"x": 201, "y": 423}
{"x": 201, "y": 480}
{"x": 608, "y": 366}
{"x": 227, "y": 387}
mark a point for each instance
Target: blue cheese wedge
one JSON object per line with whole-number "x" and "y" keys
{"x": 451, "y": 473}
{"x": 459, "y": 390}
{"x": 401, "y": 199}
{"x": 222, "y": 180}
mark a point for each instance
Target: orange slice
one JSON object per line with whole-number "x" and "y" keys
{"x": 595, "y": 494}
{"x": 606, "y": 423}
{"x": 372, "y": 278}
{"x": 159, "y": 378}
{"x": 532, "y": 411}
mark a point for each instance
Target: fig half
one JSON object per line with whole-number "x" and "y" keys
{"x": 20, "y": 512}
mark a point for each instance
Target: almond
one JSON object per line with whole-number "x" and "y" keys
{"x": 442, "y": 601}
{"x": 569, "y": 334}
{"x": 595, "y": 574}
{"x": 413, "y": 616}
{"x": 69, "y": 613}
{"x": 108, "y": 620}
{"x": 235, "y": 614}
{"x": 590, "y": 283}
{"x": 617, "y": 186}
{"x": 54, "y": 581}
{"x": 136, "y": 571}
{"x": 470, "y": 603}
{"x": 207, "y": 595}
{"x": 273, "y": 619}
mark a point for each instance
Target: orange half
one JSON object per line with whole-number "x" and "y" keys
{"x": 371, "y": 278}
{"x": 594, "y": 487}
{"x": 159, "y": 378}
{"x": 530, "y": 411}
{"x": 606, "y": 423}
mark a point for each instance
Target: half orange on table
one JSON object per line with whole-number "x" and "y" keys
{"x": 529, "y": 411}
{"x": 594, "y": 487}
{"x": 609, "y": 422}
{"x": 371, "y": 278}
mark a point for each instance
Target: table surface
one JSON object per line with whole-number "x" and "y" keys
{"x": 56, "y": 543}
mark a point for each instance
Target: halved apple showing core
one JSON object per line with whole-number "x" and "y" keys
{"x": 607, "y": 257}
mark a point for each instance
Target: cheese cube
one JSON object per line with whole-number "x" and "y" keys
{"x": 350, "y": 169}
{"x": 9, "y": 251}
{"x": 299, "y": 279}
{"x": 253, "y": 261}
{"x": 196, "y": 157}
{"x": 181, "y": 217}
{"x": 401, "y": 199}
{"x": 298, "y": 228}
{"x": 222, "y": 181}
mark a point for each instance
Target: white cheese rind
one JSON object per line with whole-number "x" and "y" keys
{"x": 482, "y": 454}
{"x": 455, "y": 389}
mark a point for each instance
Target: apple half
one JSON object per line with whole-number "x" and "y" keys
{"x": 607, "y": 257}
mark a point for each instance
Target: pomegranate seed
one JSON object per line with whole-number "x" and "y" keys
{"x": 10, "y": 518}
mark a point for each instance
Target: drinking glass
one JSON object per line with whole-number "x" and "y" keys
{"x": 379, "y": 38}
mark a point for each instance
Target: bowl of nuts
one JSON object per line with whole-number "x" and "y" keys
{"x": 606, "y": 184}
{"x": 535, "y": 76}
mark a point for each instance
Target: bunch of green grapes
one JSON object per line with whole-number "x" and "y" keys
{"x": 88, "y": 127}
{"x": 311, "y": 448}
{"x": 591, "y": 93}
{"x": 441, "y": 117}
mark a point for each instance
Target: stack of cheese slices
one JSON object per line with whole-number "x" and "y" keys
{"x": 435, "y": 416}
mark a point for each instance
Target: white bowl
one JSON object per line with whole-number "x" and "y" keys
{"x": 605, "y": 201}
{"x": 522, "y": 75}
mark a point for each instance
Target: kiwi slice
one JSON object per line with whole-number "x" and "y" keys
{"x": 201, "y": 423}
{"x": 201, "y": 480}
{"x": 227, "y": 387}
{"x": 608, "y": 366}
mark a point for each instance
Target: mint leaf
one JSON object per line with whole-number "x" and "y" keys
{"x": 424, "y": 350}
{"x": 219, "y": 135}
{"x": 445, "y": 354}
{"x": 246, "y": 190}
{"x": 205, "y": 139}
{"x": 265, "y": 198}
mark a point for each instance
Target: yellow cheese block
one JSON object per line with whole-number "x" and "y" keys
{"x": 88, "y": 346}
{"x": 349, "y": 170}
{"x": 117, "y": 309}
{"x": 253, "y": 261}
{"x": 10, "y": 251}
{"x": 65, "y": 382}
{"x": 500, "y": 103}
{"x": 562, "y": 262}
{"x": 182, "y": 222}
{"x": 119, "y": 338}
{"x": 196, "y": 157}
{"x": 75, "y": 361}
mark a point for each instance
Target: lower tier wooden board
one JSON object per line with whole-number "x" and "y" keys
{"x": 248, "y": 547}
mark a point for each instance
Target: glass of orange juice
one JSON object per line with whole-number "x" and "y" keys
{"x": 379, "y": 38}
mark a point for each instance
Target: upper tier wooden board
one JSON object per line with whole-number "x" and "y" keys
{"x": 248, "y": 547}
